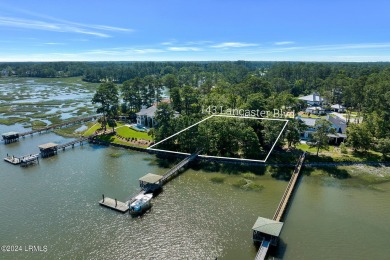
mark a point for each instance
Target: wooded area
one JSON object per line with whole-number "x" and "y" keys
{"x": 363, "y": 88}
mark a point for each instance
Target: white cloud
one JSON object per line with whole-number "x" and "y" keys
{"x": 333, "y": 47}
{"x": 284, "y": 43}
{"x": 54, "y": 43}
{"x": 184, "y": 49}
{"x": 65, "y": 26}
{"x": 234, "y": 45}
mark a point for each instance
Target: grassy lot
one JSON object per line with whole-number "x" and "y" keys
{"x": 334, "y": 155}
{"x": 121, "y": 130}
{"x": 353, "y": 176}
{"x": 92, "y": 128}
{"x": 128, "y": 132}
{"x": 68, "y": 131}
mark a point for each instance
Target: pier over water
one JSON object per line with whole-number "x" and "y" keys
{"x": 150, "y": 183}
{"x": 267, "y": 231}
{"x": 11, "y": 137}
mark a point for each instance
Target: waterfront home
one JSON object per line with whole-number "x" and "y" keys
{"x": 338, "y": 108}
{"x": 310, "y": 123}
{"x": 315, "y": 110}
{"x": 145, "y": 117}
{"x": 338, "y": 123}
{"x": 312, "y": 100}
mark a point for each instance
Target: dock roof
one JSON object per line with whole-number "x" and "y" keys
{"x": 268, "y": 226}
{"x": 47, "y": 146}
{"x": 10, "y": 134}
{"x": 151, "y": 178}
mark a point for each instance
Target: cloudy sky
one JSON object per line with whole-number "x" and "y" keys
{"x": 331, "y": 30}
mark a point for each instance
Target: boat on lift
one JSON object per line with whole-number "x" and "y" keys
{"x": 140, "y": 204}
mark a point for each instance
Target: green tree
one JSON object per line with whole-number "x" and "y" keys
{"x": 293, "y": 130}
{"x": 175, "y": 96}
{"x": 320, "y": 137}
{"x": 170, "y": 81}
{"x": 108, "y": 98}
{"x": 359, "y": 136}
{"x": 383, "y": 146}
{"x": 165, "y": 128}
{"x": 250, "y": 144}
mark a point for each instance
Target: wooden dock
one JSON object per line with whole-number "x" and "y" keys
{"x": 263, "y": 250}
{"x": 114, "y": 204}
{"x": 266, "y": 231}
{"x": 23, "y": 160}
{"x": 289, "y": 190}
{"x": 149, "y": 183}
{"x": 175, "y": 170}
{"x": 14, "y": 136}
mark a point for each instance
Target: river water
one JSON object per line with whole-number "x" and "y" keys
{"x": 55, "y": 204}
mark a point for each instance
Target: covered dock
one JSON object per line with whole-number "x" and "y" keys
{"x": 150, "y": 182}
{"x": 48, "y": 149}
{"x": 10, "y": 137}
{"x": 267, "y": 229}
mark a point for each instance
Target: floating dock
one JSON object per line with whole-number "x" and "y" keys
{"x": 114, "y": 204}
{"x": 23, "y": 160}
{"x": 150, "y": 183}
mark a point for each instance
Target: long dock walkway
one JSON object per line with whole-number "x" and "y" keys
{"x": 175, "y": 170}
{"x": 14, "y": 136}
{"x": 270, "y": 236}
{"x": 52, "y": 127}
{"x": 155, "y": 183}
{"x": 290, "y": 188}
{"x": 263, "y": 250}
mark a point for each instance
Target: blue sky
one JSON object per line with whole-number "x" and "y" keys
{"x": 167, "y": 30}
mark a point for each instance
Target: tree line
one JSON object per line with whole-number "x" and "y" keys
{"x": 361, "y": 87}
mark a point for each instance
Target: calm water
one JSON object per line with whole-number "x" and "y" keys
{"x": 55, "y": 204}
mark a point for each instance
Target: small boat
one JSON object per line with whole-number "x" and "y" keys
{"x": 140, "y": 204}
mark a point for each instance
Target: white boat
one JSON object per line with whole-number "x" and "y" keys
{"x": 140, "y": 204}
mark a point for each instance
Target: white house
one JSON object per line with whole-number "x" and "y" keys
{"x": 338, "y": 108}
{"x": 310, "y": 123}
{"x": 313, "y": 100}
{"x": 315, "y": 110}
{"x": 145, "y": 116}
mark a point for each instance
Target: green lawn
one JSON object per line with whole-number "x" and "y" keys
{"x": 335, "y": 155}
{"x": 128, "y": 132}
{"x": 92, "y": 129}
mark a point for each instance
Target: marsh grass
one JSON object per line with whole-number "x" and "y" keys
{"x": 217, "y": 179}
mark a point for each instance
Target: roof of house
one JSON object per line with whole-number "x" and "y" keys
{"x": 309, "y": 121}
{"x": 150, "y": 111}
{"x": 338, "y": 122}
{"x": 151, "y": 178}
{"x": 337, "y": 135}
{"x": 338, "y": 106}
{"x": 314, "y": 108}
{"x": 268, "y": 226}
{"x": 47, "y": 146}
{"x": 315, "y": 97}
